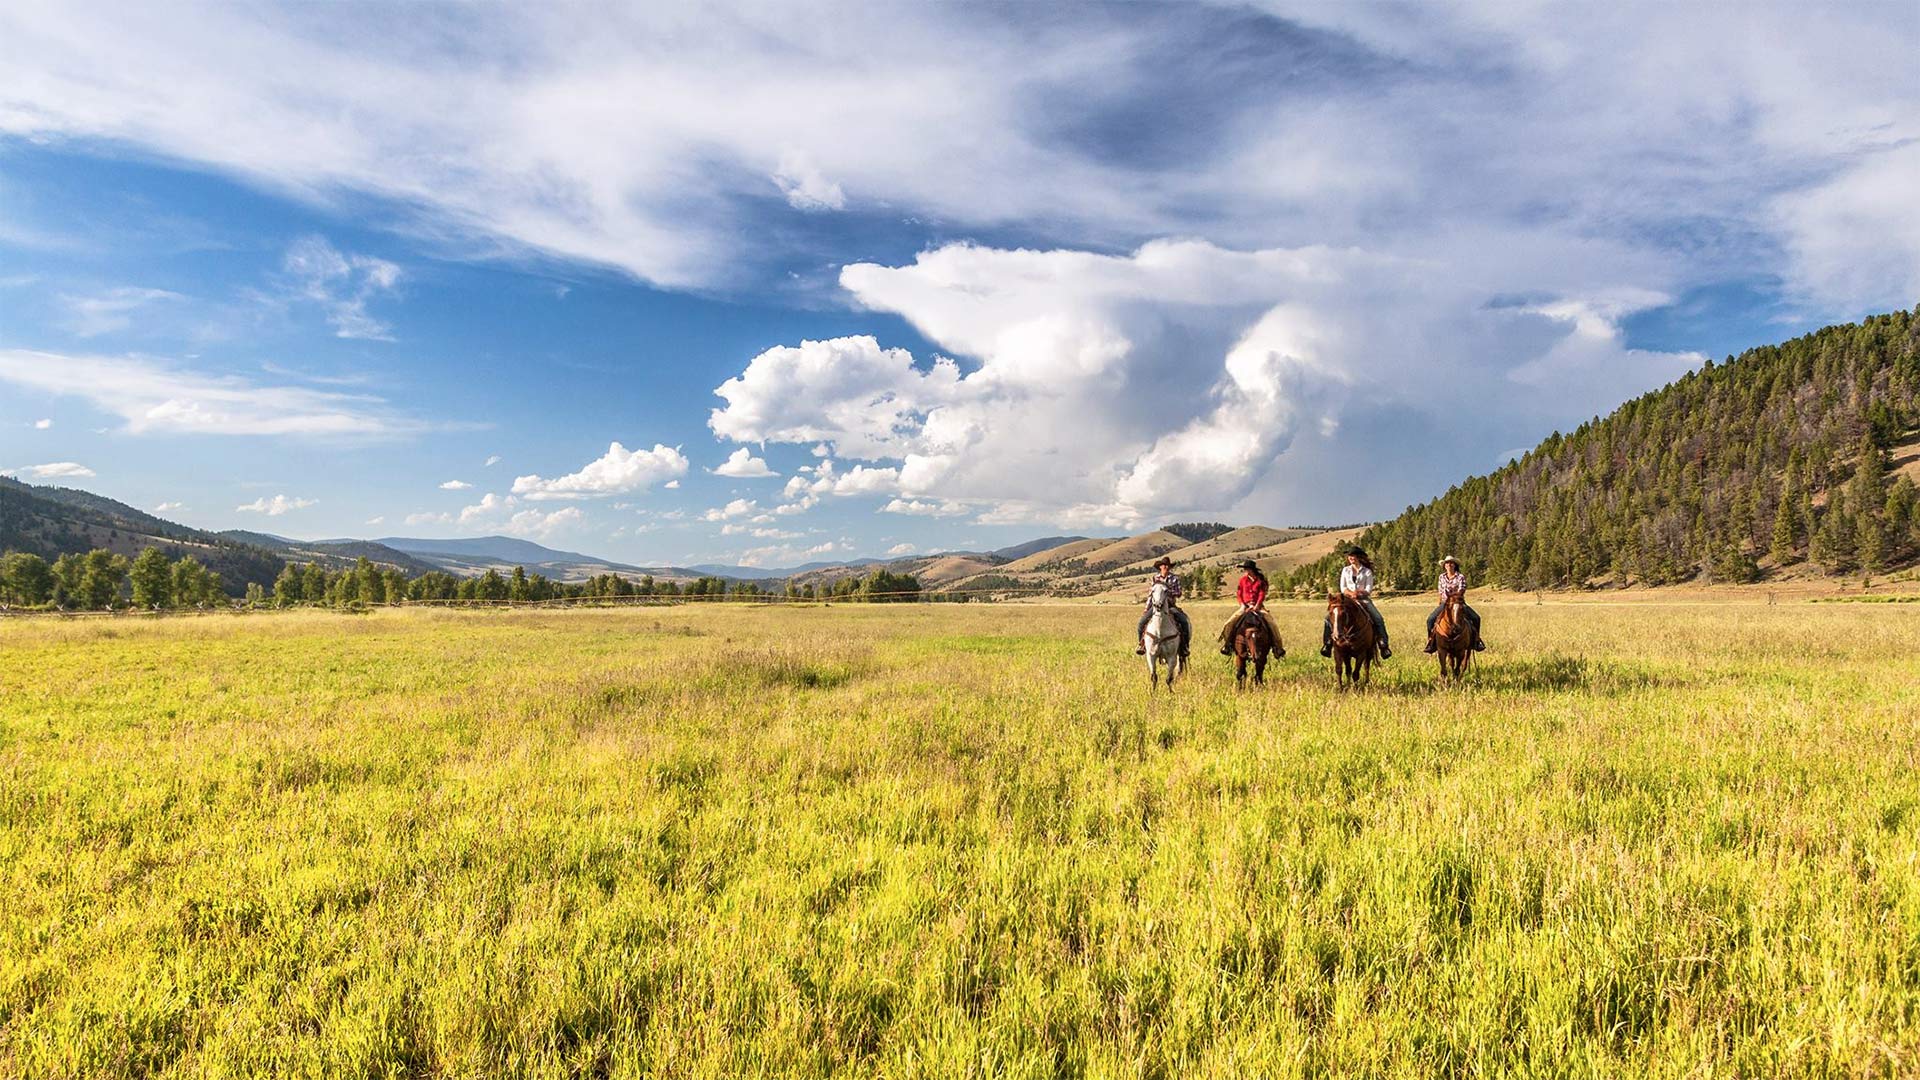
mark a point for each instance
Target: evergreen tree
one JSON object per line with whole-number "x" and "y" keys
{"x": 1786, "y": 536}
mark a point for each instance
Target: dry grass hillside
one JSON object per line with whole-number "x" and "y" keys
{"x": 1227, "y": 546}
{"x": 1302, "y": 550}
{"x": 1040, "y": 560}
{"x": 1132, "y": 549}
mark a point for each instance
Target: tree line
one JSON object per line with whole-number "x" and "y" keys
{"x": 1734, "y": 471}
{"x": 102, "y": 580}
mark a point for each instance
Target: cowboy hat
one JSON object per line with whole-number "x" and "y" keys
{"x": 1449, "y": 559}
{"x": 1163, "y": 561}
{"x": 1249, "y": 564}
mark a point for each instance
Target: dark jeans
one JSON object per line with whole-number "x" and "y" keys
{"x": 1186, "y": 628}
{"x": 1379, "y": 627}
{"x": 1472, "y": 617}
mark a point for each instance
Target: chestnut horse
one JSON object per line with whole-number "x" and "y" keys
{"x": 1453, "y": 639}
{"x": 1253, "y": 641}
{"x": 1353, "y": 642}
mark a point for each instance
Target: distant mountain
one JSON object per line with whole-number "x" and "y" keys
{"x": 1031, "y": 547}
{"x": 332, "y": 554}
{"x": 475, "y": 555}
{"x": 500, "y": 548}
{"x": 763, "y": 573}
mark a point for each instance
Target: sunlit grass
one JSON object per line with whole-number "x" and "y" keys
{"x": 1670, "y": 840}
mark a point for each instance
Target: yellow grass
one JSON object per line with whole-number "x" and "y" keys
{"x": 1655, "y": 839}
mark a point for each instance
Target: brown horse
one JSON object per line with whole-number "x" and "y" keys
{"x": 1353, "y": 641}
{"x": 1453, "y": 639}
{"x": 1253, "y": 642}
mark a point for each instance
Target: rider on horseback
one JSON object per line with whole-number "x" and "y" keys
{"x": 1164, "y": 575}
{"x": 1356, "y": 581}
{"x": 1453, "y": 586}
{"x": 1252, "y": 594}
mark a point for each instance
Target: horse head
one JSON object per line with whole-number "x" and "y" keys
{"x": 1157, "y": 599}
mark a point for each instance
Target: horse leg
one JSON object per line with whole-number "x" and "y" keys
{"x": 1260, "y": 670}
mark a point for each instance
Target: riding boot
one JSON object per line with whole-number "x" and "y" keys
{"x": 1326, "y": 640}
{"x": 1478, "y": 645}
{"x": 1430, "y": 645}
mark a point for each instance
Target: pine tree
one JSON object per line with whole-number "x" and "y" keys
{"x": 1785, "y": 536}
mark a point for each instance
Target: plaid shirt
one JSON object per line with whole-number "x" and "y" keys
{"x": 1452, "y": 586}
{"x": 1171, "y": 581}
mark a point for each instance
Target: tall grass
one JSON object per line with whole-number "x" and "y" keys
{"x": 1660, "y": 840}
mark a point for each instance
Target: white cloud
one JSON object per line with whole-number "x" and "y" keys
{"x": 918, "y": 508}
{"x": 501, "y": 514}
{"x": 341, "y": 284}
{"x": 902, "y": 549}
{"x": 647, "y": 142}
{"x": 805, "y": 188}
{"x": 455, "y": 485}
{"x": 42, "y": 425}
{"x": 786, "y": 554}
{"x": 741, "y": 464}
{"x": 104, "y": 313}
{"x": 55, "y": 470}
{"x": 169, "y": 507}
{"x": 275, "y": 506}
{"x": 492, "y": 460}
{"x": 378, "y": 519}
{"x": 616, "y": 472}
{"x": 671, "y": 485}
{"x": 151, "y": 397}
{"x": 1113, "y": 389}
{"x": 735, "y": 509}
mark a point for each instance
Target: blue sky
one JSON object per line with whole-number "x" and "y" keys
{"x": 773, "y": 286}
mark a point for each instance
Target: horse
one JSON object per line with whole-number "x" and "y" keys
{"x": 1353, "y": 641}
{"x": 1162, "y": 636}
{"x": 1453, "y": 639}
{"x": 1253, "y": 640}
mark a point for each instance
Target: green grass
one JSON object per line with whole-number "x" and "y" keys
{"x": 1650, "y": 839}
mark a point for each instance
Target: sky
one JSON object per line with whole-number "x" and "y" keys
{"x": 776, "y": 284}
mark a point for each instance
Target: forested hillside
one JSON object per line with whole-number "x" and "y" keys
{"x": 1775, "y": 462}
{"x": 52, "y": 521}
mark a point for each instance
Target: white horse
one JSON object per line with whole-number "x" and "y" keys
{"x": 1162, "y": 637}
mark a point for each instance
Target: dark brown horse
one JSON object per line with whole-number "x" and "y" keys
{"x": 1353, "y": 641}
{"x": 1453, "y": 639}
{"x": 1253, "y": 642}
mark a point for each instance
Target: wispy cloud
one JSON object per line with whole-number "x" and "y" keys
{"x": 155, "y": 397}
{"x": 53, "y": 470}
{"x": 275, "y": 506}
{"x": 169, "y": 507}
{"x": 342, "y": 285}
{"x": 455, "y": 485}
{"x": 104, "y": 313}
{"x": 42, "y": 425}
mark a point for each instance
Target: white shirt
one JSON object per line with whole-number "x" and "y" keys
{"x": 1356, "y": 579}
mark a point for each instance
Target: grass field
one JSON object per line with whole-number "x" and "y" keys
{"x": 1650, "y": 840}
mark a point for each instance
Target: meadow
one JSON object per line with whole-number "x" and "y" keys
{"x": 1651, "y": 839}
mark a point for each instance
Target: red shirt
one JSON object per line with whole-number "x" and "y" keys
{"x": 1252, "y": 591}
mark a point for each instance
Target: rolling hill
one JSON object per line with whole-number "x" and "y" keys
{"x": 53, "y": 521}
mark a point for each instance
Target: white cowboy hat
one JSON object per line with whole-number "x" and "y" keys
{"x": 1449, "y": 559}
